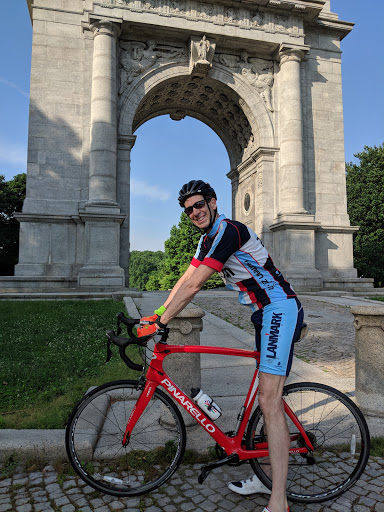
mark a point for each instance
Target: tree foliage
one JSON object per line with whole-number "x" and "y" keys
{"x": 161, "y": 271}
{"x": 12, "y": 195}
{"x": 179, "y": 251}
{"x": 365, "y": 192}
{"x": 143, "y": 267}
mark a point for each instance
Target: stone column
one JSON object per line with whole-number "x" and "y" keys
{"x": 369, "y": 325}
{"x": 102, "y": 158}
{"x": 124, "y": 145}
{"x": 291, "y": 176}
{"x": 101, "y": 214}
{"x": 294, "y": 228}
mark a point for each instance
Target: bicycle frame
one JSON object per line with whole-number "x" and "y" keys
{"x": 156, "y": 376}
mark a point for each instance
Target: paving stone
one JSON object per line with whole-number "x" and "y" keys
{"x": 24, "y": 508}
{"x": 116, "y": 505}
{"x": 62, "y": 501}
{"x": 5, "y": 507}
{"x": 67, "y": 508}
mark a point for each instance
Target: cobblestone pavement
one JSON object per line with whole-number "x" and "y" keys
{"x": 330, "y": 343}
{"x": 48, "y": 489}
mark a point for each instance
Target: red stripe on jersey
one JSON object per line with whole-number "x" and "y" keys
{"x": 212, "y": 263}
{"x": 195, "y": 262}
{"x": 251, "y": 295}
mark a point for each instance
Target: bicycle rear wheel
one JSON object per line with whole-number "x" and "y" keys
{"x": 95, "y": 432}
{"x": 337, "y": 430}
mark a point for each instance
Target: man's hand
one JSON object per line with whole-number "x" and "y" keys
{"x": 150, "y": 328}
{"x": 149, "y": 319}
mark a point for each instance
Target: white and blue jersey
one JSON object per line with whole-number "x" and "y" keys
{"x": 238, "y": 254}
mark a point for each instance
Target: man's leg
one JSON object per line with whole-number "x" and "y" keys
{"x": 270, "y": 401}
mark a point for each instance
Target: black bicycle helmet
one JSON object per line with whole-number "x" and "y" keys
{"x": 195, "y": 187}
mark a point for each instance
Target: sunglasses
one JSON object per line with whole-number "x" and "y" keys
{"x": 199, "y": 205}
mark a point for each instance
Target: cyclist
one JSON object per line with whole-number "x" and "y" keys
{"x": 235, "y": 251}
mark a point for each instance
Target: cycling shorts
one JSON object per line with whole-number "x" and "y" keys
{"x": 277, "y": 326}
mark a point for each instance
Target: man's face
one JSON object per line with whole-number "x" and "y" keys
{"x": 201, "y": 218}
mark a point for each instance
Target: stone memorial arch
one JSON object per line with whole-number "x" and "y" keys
{"x": 265, "y": 75}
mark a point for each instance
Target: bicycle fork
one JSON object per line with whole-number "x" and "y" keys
{"x": 141, "y": 404}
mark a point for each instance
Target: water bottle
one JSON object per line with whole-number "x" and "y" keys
{"x": 206, "y": 404}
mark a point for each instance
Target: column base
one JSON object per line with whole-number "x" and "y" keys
{"x": 294, "y": 251}
{"x": 100, "y": 276}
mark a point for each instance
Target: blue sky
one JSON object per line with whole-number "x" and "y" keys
{"x": 166, "y": 151}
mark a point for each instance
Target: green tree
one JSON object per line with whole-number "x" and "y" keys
{"x": 365, "y": 192}
{"x": 179, "y": 251}
{"x": 12, "y": 195}
{"x": 142, "y": 265}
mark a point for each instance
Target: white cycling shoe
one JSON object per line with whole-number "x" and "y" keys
{"x": 251, "y": 485}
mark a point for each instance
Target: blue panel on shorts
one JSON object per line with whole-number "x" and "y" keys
{"x": 277, "y": 325}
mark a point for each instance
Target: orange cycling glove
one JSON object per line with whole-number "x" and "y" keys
{"x": 147, "y": 329}
{"x": 150, "y": 319}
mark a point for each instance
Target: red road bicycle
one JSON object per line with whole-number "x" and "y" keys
{"x": 126, "y": 438}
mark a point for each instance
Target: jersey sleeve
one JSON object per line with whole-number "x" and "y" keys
{"x": 226, "y": 242}
{"x": 200, "y": 254}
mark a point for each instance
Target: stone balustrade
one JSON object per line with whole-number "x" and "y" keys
{"x": 369, "y": 325}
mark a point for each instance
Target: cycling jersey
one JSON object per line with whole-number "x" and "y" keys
{"x": 237, "y": 253}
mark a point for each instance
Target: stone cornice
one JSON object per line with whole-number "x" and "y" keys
{"x": 30, "y": 4}
{"x": 342, "y": 27}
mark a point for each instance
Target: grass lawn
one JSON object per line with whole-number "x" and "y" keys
{"x": 51, "y": 353}
{"x": 380, "y": 298}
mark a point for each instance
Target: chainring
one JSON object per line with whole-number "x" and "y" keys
{"x": 221, "y": 453}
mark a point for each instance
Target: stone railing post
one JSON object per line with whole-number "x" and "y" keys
{"x": 369, "y": 325}
{"x": 185, "y": 369}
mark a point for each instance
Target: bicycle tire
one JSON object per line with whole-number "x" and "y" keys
{"x": 94, "y": 436}
{"x": 339, "y": 433}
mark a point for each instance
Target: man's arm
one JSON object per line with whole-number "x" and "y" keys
{"x": 187, "y": 274}
{"x": 186, "y": 291}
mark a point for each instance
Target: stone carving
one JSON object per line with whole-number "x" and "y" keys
{"x": 201, "y": 55}
{"x": 258, "y": 72}
{"x": 192, "y": 94}
{"x": 218, "y": 14}
{"x": 137, "y": 57}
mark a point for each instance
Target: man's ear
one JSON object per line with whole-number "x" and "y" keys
{"x": 213, "y": 203}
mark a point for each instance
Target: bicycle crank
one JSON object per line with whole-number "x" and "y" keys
{"x": 220, "y": 452}
{"x": 205, "y": 470}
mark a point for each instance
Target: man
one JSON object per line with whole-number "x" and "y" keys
{"x": 232, "y": 249}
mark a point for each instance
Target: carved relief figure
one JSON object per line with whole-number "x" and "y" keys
{"x": 203, "y": 49}
{"x": 137, "y": 57}
{"x": 258, "y": 72}
{"x": 257, "y": 19}
{"x": 231, "y": 15}
{"x": 206, "y": 11}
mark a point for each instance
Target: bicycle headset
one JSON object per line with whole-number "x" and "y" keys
{"x": 195, "y": 187}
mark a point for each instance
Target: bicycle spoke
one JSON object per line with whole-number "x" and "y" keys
{"x": 94, "y": 440}
{"x": 331, "y": 421}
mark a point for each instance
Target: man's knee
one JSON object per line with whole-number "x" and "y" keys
{"x": 270, "y": 393}
{"x": 269, "y": 402}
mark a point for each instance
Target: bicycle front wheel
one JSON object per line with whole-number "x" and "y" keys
{"x": 95, "y": 432}
{"x": 337, "y": 430}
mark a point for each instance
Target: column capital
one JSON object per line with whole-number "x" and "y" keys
{"x": 105, "y": 26}
{"x": 125, "y": 142}
{"x": 287, "y": 52}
